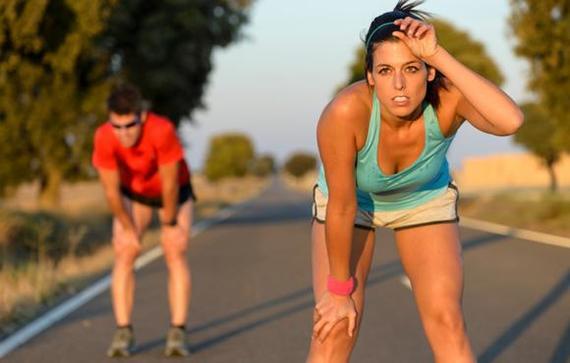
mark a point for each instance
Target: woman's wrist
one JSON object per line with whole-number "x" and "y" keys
{"x": 339, "y": 287}
{"x": 434, "y": 58}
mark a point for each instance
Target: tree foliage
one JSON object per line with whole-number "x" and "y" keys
{"x": 52, "y": 86}
{"x": 229, "y": 155}
{"x": 165, "y": 47}
{"x": 59, "y": 58}
{"x": 263, "y": 165}
{"x": 300, "y": 163}
{"x": 470, "y": 52}
{"x": 542, "y": 34}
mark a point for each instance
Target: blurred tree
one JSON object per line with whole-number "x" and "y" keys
{"x": 229, "y": 155}
{"x": 263, "y": 165}
{"x": 467, "y": 50}
{"x": 52, "y": 87}
{"x": 538, "y": 134}
{"x": 300, "y": 163}
{"x": 542, "y": 34}
{"x": 58, "y": 59}
{"x": 165, "y": 47}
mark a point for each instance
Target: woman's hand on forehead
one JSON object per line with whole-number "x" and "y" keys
{"x": 419, "y": 36}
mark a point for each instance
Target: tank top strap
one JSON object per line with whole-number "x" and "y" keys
{"x": 431, "y": 122}
{"x": 373, "y": 127}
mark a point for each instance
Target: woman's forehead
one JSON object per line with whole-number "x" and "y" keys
{"x": 393, "y": 53}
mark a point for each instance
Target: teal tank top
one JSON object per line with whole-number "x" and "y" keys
{"x": 427, "y": 178}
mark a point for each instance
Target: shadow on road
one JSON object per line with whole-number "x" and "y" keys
{"x": 562, "y": 351}
{"x": 302, "y": 299}
{"x": 510, "y": 335}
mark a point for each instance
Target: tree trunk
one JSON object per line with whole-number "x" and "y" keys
{"x": 50, "y": 184}
{"x": 552, "y": 173}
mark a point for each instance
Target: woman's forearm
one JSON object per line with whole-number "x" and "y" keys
{"x": 488, "y": 99}
{"x": 338, "y": 234}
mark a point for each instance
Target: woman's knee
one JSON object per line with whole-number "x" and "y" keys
{"x": 446, "y": 319}
{"x": 337, "y": 346}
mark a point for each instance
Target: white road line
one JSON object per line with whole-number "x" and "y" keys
{"x": 515, "y": 232}
{"x": 505, "y": 231}
{"x": 61, "y": 311}
{"x": 405, "y": 281}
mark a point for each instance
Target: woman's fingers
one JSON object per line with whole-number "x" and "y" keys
{"x": 400, "y": 35}
{"x": 414, "y": 26}
{"x": 422, "y": 31}
{"x": 322, "y": 322}
{"x": 324, "y": 333}
{"x": 351, "y": 324}
{"x": 404, "y": 24}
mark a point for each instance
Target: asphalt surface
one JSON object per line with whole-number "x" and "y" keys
{"x": 252, "y": 299}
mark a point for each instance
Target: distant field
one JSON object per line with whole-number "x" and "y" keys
{"x": 46, "y": 256}
{"x": 533, "y": 210}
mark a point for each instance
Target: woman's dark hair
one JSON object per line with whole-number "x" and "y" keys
{"x": 125, "y": 99}
{"x": 381, "y": 30}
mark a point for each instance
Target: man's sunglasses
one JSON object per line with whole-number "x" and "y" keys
{"x": 133, "y": 123}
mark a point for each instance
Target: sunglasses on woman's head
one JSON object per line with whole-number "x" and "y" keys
{"x": 134, "y": 122}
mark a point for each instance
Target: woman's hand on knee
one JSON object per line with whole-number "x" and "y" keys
{"x": 330, "y": 310}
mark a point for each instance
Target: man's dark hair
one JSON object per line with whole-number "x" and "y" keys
{"x": 125, "y": 99}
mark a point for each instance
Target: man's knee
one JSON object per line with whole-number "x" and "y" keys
{"x": 125, "y": 251}
{"x": 175, "y": 251}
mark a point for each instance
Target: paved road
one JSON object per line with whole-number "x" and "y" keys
{"x": 252, "y": 299}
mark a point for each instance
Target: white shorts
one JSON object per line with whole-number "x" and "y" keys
{"x": 442, "y": 209}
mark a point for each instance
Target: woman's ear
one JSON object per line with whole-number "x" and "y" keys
{"x": 369, "y": 78}
{"x": 431, "y": 73}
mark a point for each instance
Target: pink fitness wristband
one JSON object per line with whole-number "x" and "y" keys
{"x": 343, "y": 288}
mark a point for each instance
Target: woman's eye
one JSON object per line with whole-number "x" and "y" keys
{"x": 384, "y": 71}
{"x": 412, "y": 69}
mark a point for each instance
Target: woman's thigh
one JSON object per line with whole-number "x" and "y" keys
{"x": 431, "y": 256}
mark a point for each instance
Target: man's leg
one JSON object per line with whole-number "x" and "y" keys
{"x": 174, "y": 241}
{"x": 175, "y": 246}
{"x": 126, "y": 251}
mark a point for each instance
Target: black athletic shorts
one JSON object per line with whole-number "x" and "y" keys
{"x": 186, "y": 192}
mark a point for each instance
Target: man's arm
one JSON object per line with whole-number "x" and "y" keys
{"x": 110, "y": 181}
{"x": 169, "y": 183}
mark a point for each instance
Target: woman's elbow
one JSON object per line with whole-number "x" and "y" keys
{"x": 517, "y": 122}
{"x": 513, "y": 123}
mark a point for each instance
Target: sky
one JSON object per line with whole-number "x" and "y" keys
{"x": 273, "y": 84}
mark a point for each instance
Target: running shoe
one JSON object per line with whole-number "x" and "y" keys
{"x": 176, "y": 343}
{"x": 122, "y": 344}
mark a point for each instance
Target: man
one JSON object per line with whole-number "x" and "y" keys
{"x": 141, "y": 167}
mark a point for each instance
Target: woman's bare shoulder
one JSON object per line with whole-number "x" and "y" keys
{"x": 350, "y": 105}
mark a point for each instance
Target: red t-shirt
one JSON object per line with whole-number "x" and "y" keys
{"x": 138, "y": 165}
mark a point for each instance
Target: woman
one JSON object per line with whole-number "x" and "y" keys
{"x": 383, "y": 145}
